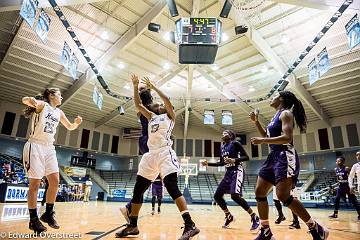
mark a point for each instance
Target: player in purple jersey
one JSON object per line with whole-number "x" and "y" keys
{"x": 282, "y": 167}
{"x": 342, "y": 173}
{"x": 157, "y": 192}
{"x": 232, "y": 156}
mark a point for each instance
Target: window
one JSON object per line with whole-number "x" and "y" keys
{"x": 8, "y": 124}
{"x": 85, "y": 138}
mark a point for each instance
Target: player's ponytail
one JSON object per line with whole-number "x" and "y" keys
{"x": 291, "y": 102}
{"x": 28, "y": 111}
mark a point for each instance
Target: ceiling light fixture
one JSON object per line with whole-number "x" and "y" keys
{"x": 104, "y": 35}
{"x": 224, "y": 37}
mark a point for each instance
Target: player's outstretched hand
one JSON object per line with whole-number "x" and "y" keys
{"x": 78, "y": 120}
{"x": 228, "y": 160}
{"x": 147, "y": 82}
{"x": 257, "y": 140}
{"x": 204, "y": 163}
{"x": 135, "y": 79}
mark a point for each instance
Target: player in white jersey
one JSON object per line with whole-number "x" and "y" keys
{"x": 161, "y": 159}
{"x": 355, "y": 170}
{"x": 39, "y": 154}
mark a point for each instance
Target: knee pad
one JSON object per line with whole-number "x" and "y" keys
{"x": 171, "y": 185}
{"x": 288, "y": 201}
{"x": 261, "y": 199}
{"x": 140, "y": 187}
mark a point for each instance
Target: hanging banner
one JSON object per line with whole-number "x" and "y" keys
{"x": 28, "y": 11}
{"x": 100, "y": 101}
{"x": 353, "y": 31}
{"x": 66, "y": 56}
{"x": 324, "y": 62}
{"x": 95, "y": 95}
{"x": 43, "y": 24}
{"x": 209, "y": 117}
{"x": 313, "y": 72}
{"x": 73, "y": 66}
{"x": 226, "y": 117}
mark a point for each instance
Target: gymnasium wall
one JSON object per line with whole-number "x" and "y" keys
{"x": 342, "y": 135}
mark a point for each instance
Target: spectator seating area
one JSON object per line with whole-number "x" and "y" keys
{"x": 11, "y": 169}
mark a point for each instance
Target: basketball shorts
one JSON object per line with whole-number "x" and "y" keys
{"x": 232, "y": 181}
{"x": 162, "y": 161}
{"x": 279, "y": 165}
{"x": 39, "y": 160}
{"x": 157, "y": 190}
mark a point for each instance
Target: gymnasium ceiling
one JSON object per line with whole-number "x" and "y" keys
{"x": 28, "y": 65}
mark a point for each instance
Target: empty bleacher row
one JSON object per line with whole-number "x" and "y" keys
{"x": 202, "y": 187}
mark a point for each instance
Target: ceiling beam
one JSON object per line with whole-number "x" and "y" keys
{"x": 124, "y": 41}
{"x": 270, "y": 55}
{"x": 229, "y": 94}
{"x": 319, "y": 4}
{"x": 188, "y": 96}
{"x": 159, "y": 83}
{"x": 194, "y": 13}
{"x": 13, "y": 5}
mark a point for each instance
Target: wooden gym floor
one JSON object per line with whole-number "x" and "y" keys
{"x": 100, "y": 220}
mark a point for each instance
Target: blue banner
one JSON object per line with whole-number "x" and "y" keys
{"x": 209, "y": 117}
{"x": 98, "y": 98}
{"x": 66, "y": 56}
{"x": 313, "y": 72}
{"x": 43, "y": 24}
{"x": 119, "y": 193}
{"x": 73, "y": 66}
{"x": 324, "y": 62}
{"x": 28, "y": 11}
{"x": 100, "y": 101}
{"x": 95, "y": 95}
{"x": 19, "y": 194}
{"x": 226, "y": 117}
{"x": 353, "y": 31}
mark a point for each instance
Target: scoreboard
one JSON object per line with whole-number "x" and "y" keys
{"x": 198, "y": 30}
{"x": 198, "y": 39}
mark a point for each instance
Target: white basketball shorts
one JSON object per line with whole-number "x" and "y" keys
{"x": 162, "y": 161}
{"x": 39, "y": 160}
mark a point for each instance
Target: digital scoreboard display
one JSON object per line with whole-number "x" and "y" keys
{"x": 198, "y": 31}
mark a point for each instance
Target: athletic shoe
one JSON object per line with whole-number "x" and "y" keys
{"x": 189, "y": 232}
{"x": 37, "y": 226}
{"x": 49, "y": 218}
{"x": 228, "y": 220}
{"x": 125, "y": 211}
{"x": 265, "y": 234}
{"x": 280, "y": 219}
{"x": 255, "y": 223}
{"x": 294, "y": 225}
{"x": 318, "y": 232}
{"x": 159, "y": 210}
{"x": 127, "y": 231}
{"x": 152, "y": 212}
{"x": 333, "y": 216}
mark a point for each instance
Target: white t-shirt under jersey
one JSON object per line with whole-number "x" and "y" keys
{"x": 160, "y": 128}
{"x": 355, "y": 170}
{"x": 44, "y": 124}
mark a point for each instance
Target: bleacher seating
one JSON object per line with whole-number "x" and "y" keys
{"x": 323, "y": 179}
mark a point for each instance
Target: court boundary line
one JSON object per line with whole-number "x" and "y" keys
{"x": 113, "y": 230}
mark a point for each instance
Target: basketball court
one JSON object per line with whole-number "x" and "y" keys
{"x": 101, "y": 220}
{"x": 217, "y": 61}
